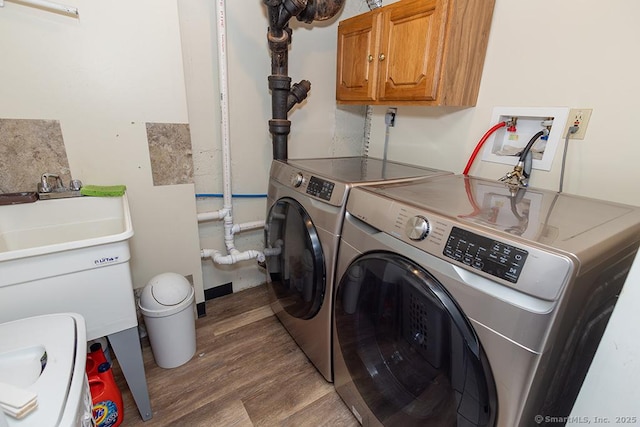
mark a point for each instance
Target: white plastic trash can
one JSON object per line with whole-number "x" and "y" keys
{"x": 167, "y": 305}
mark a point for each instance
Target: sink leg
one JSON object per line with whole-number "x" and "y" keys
{"x": 126, "y": 346}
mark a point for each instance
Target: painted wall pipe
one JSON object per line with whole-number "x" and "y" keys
{"x": 223, "y": 71}
{"x": 237, "y": 228}
{"x": 273, "y": 251}
{"x": 209, "y": 216}
{"x": 45, "y": 4}
{"x": 234, "y": 196}
{"x": 234, "y": 258}
{"x": 228, "y": 234}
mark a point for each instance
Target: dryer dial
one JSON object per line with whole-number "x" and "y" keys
{"x": 417, "y": 228}
{"x": 297, "y": 179}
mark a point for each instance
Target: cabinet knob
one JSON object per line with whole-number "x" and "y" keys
{"x": 381, "y": 57}
{"x": 370, "y": 58}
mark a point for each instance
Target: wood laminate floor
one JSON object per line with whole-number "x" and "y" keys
{"x": 247, "y": 371}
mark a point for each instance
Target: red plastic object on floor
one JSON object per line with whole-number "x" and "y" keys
{"x": 95, "y": 358}
{"x": 108, "y": 410}
{"x": 106, "y": 397}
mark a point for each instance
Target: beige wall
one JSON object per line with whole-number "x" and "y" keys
{"x": 103, "y": 76}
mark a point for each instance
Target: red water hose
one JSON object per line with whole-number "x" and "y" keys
{"x": 480, "y": 144}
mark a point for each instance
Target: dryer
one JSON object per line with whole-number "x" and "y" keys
{"x": 463, "y": 302}
{"x": 305, "y": 209}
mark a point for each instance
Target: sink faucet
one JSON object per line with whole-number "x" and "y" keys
{"x": 51, "y": 187}
{"x": 45, "y": 187}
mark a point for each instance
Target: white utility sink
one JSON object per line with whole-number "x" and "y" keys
{"x": 68, "y": 255}
{"x": 48, "y": 226}
{"x": 72, "y": 255}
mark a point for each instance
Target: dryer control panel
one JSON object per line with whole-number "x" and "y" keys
{"x": 321, "y": 188}
{"x": 491, "y": 256}
{"x": 332, "y": 192}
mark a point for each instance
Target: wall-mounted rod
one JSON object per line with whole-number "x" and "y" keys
{"x": 48, "y": 5}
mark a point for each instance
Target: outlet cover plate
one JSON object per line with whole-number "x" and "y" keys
{"x": 502, "y": 145}
{"x": 582, "y": 117}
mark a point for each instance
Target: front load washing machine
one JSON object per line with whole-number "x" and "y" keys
{"x": 305, "y": 209}
{"x": 463, "y": 302}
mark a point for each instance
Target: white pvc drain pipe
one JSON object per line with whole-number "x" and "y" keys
{"x": 226, "y": 213}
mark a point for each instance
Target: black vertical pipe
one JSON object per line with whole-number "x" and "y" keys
{"x": 280, "y": 85}
{"x": 283, "y": 96}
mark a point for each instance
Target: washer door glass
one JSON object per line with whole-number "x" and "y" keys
{"x": 295, "y": 263}
{"x": 410, "y": 351}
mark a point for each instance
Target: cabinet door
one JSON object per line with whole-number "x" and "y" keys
{"x": 357, "y": 58}
{"x": 411, "y": 50}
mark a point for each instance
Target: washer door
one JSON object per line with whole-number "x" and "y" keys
{"x": 296, "y": 269}
{"x": 410, "y": 351}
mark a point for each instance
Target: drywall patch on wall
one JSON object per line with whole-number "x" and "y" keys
{"x": 29, "y": 148}
{"x": 171, "y": 153}
{"x": 350, "y": 134}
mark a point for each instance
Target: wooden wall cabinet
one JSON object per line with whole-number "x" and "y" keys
{"x": 414, "y": 52}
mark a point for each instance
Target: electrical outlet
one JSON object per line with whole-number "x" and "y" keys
{"x": 390, "y": 117}
{"x": 578, "y": 117}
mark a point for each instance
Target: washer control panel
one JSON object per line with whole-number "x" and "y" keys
{"x": 320, "y": 188}
{"x": 493, "y": 255}
{"x": 488, "y": 255}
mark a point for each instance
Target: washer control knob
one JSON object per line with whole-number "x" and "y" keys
{"x": 417, "y": 228}
{"x": 297, "y": 179}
